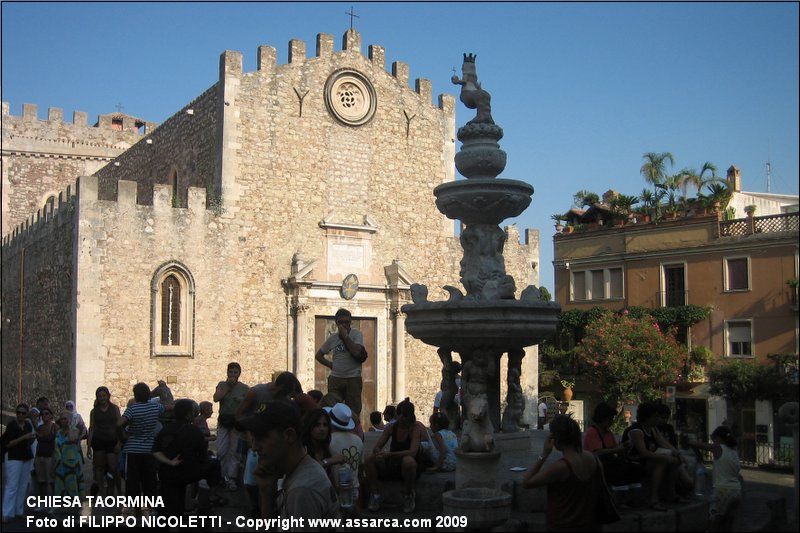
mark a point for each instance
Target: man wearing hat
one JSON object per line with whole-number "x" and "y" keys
{"x": 347, "y": 345}
{"x": 275, "y": 435}
{"x": 346, "y": 443}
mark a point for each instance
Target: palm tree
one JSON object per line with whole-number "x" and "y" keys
{"x": 669, "y": 188}
{"x": 690, "y": 176}
{"x": 584, "y": 198}
{"x": 654, "y": 169}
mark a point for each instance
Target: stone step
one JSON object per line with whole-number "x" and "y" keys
{"x": 429, "y": 489}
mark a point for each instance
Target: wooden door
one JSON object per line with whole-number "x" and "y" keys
{"x": 324, "y": 327}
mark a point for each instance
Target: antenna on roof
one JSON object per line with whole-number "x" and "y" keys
{"x": 769, "y": 165}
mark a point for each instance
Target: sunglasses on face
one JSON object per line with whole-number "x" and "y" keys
{"x": 23, "y": 413}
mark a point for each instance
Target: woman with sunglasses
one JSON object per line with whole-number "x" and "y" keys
{"x": 43, "y": 463}
{"x": 16, "y": 443}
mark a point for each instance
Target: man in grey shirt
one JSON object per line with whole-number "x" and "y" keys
{"x": 275, "y": 435}
{"x": 347, "y": 345}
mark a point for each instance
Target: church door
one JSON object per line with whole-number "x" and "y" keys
{"x": 326, "y": 326}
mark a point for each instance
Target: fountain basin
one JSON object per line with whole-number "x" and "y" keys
{"x": 484, "y": 508}
{"x": 467, "y": 324}
{"x": 483, "y": 201}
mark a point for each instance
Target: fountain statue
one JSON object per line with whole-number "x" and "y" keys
{"x": 487, "y": 320}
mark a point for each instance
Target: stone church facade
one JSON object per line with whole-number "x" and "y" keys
{"x": 234, "y": 230}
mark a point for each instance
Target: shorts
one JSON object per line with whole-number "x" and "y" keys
{"x": 391, "y": 468}
{"x": 43, "y": 468}
{"x": 102, "y": 445}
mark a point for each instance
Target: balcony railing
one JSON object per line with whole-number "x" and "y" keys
{"x": 673, "y": 298}
{"x": 766, "y": 224}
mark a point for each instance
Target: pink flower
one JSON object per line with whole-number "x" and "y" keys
{"x": 595, "y": 364}
{"x": 625, "y": 312}
{"x": 605, "y": 363}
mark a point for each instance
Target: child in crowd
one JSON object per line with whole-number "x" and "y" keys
{"x": 441, "y": 449}
{"x": 389, "y": 414}
{"x": 376, "y": 419}
{"x": 727, "y": 493}
{"x": 201, "y": 420}
{"x": 317, "y": 395}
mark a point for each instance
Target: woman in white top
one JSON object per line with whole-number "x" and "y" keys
{"x": 727, "y": 493}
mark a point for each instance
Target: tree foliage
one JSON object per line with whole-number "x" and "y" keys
{"x": 632, "y": 357}
{"x": 742, "y": 381}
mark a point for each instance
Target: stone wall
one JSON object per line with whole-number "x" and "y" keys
{"x": 38, "y": 277}
{"x": 186, "y": 144}
{"x": 42, "y": 157}
{"x": 121, "y": 246}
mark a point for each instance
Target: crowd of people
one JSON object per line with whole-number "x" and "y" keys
{"x": 299, "y": 453}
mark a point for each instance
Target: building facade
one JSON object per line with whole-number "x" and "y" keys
{"x": 235, "y": 229}
{"x": 737, "y": 267}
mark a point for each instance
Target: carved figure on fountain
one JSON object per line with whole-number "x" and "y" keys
{"x": 515, "y": 399}
{"x": 476, "y": 373}
{"x": 450, "y": 370}
{"x": 472, "y": 94}
{"x": 483, "y": 268}
{"x": 480, "y": 156}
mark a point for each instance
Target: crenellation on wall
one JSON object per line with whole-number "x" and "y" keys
{"x": 162, "y": 197}
{"x": 55, "y": 114}
{"x": 6, "y": 108}
{"x": 324, "y": 45}
{"x": 400, "y": 72}
{"x": 377, "y": 54}
{"x": 351, "y": 41}
{"x": 30, "y": 112}
{"x": 422, "y": 86}
{"x": 80, "y": 118}
{"x": 126, "y": 192}
{"x": 266, "y": 59}
{"x": 447, "y": 103}
{"x": 297, "y": 51}
{"x": 230, "y": 63}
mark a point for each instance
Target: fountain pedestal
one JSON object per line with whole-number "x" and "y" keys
{"x": 477, "y": 469}
{"x": 484, "y": 508}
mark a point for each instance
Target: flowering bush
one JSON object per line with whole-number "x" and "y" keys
{"x": 631, "y": 356}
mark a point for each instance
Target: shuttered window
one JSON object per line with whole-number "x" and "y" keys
{"x": 737, "y": 274}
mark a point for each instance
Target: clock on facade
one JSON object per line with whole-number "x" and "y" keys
{"x": 349, "y": 287}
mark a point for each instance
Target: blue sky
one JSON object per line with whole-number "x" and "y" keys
{"x": 581, "y": 90}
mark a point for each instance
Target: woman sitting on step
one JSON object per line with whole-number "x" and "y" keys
{"x": 573, "y": 482}
{"x": 402, "y": 461}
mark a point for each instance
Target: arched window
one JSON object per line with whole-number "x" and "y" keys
{"x": 172, "y": 311}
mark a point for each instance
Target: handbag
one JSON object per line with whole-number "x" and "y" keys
{"x": 605, "y": 510}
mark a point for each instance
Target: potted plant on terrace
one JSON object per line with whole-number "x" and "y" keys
{"x": 750, "y": 210}
{"x": 621, "y": 206}
{"x": 558, "y": 218}
{"x": 568, "y": 392}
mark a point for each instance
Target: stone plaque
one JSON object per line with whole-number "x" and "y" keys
{"x": 345, "y": 258}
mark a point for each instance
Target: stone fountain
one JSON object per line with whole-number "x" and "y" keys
{"x": 488, "y": 321}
